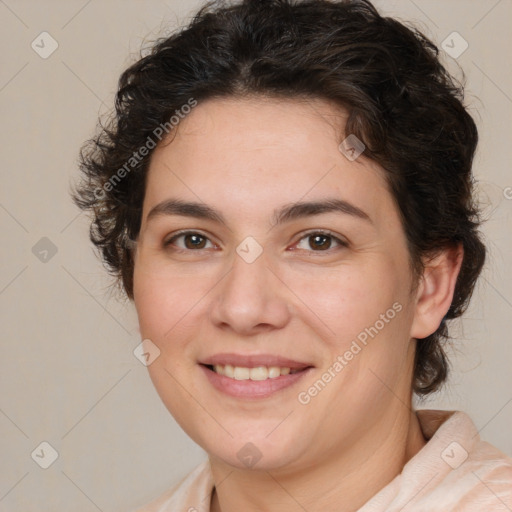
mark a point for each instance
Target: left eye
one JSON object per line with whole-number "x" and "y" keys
{"x": 320, "y": 241}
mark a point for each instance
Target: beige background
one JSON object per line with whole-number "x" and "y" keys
{"x": 67, "y": 373}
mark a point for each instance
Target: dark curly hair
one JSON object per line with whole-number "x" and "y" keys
{"x": 401, "y": 101}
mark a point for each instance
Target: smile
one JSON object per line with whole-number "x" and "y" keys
{"x": 253, "y": 382}
{"x": 257, "y": 373}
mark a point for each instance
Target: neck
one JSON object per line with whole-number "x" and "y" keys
{"x": 349, "y": 477}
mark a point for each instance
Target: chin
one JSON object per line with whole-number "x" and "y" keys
{"x": 258, "y": 451}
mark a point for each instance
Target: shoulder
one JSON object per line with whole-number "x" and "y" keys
{"x": 455, "y": 471}
{"x": 472, "y": 475}
{"x": 192, "y": 494}
{"x": 482, "y": 481}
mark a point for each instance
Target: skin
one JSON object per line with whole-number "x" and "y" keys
{"x": 246, "y": 158}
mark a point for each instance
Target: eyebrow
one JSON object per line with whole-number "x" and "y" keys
{"x": 287, "y": 213}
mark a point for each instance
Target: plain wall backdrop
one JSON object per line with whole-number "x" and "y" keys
{"x": 68, "y": 374}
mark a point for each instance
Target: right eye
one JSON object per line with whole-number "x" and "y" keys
{"x": 189, "y": 241}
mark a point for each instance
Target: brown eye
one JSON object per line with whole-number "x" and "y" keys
{"x": 194, "y": 241}
{"x": 188, "y": 241}
{"x": 319, "y": 242}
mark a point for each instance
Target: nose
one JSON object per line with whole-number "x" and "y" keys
{"x": 250, "y": 299}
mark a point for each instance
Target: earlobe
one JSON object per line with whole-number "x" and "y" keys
{"x": 435, "y": 291}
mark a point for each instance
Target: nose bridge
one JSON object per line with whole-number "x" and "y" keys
{"x": 247, "y": 282}
{"x": 250, "y": 295}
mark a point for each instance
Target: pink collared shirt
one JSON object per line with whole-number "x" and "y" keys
{"x": 454, "y": 472}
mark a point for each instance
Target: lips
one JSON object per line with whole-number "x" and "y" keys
{"x": 254, "y": 360}
{"x": 252, "y": 376}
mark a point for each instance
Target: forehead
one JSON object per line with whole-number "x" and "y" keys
{"x": 242, "y": 153}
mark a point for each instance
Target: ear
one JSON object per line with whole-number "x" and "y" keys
{"x": 435, "y": 290}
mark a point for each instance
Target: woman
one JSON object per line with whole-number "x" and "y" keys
{"x": 286, "y": 195}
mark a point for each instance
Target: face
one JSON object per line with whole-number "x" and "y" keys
{"x": 280, "y": 297}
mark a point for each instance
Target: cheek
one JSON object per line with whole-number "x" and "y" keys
{"x": 345, "y": 301}
{"x": 163, "y": 300}
{"x": 167, "y": 309}
{"x": 173, "y": 313}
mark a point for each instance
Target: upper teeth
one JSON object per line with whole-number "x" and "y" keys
{"x": 257, "y": 373}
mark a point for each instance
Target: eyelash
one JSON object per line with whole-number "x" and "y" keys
{"x": 173, "y": 238}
